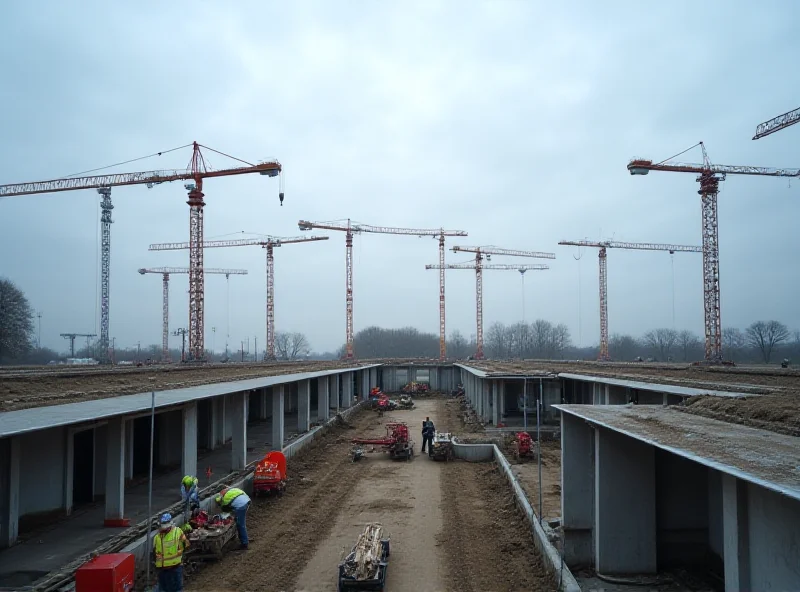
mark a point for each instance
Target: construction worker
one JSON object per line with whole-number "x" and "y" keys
{"x": 169, "y": 544}
{"x": 237, "y": 501}
{"x": 189, "y": 494}
{"x": 428, "y": 431}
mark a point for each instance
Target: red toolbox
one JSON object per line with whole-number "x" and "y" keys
{"x": 106, "y": 573}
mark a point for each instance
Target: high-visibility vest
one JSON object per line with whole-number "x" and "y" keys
{"x": 229, "y": 496}
{"x": 169, "y": 547}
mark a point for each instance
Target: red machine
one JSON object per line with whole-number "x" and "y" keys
{"x": 523, "y": 445}
{"x": 106, "y": 573}
{"x": 270, "y": 474}
{"x": 397, "y": 442}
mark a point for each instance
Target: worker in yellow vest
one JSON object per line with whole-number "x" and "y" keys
{"x": 236, "y": 501}
{"x": 190, "y": 495}
{"x": 169, "y": 545}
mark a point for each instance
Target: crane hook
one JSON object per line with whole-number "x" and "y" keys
{"x": 280, "y": 196}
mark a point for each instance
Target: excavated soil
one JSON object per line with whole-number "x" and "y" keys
{"x": 527, "y": 472}
{"x": 777, "y": 413}
{"x": 39, "y": 387}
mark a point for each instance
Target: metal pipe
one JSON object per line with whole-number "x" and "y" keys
{"x": 525, "y": 403}
{"x": 150, "y": 485}
{"x": 539, "y": 446}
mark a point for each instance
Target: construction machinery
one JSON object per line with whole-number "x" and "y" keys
{"x": 208, "y": 535}
{"x": 479, "y": 266}
{"x": 269, "y": 476}
{"x": 709, "y": 175}
{"x": 776, "y": 124}
{"x": 356, "y": 228}
{"x": 522, "y": 446}
{"x": 397, "y": 442}
{"x": 269, "y": 243}
{"x": 416, "y": 388}
{"x": 196, "y": 171}
{"x": 364, "y": 568}
{"x": 165, "y": 273}
{"x": 604, "y": 356}
{"x": 72, "y": 336}
{"x": 441, "y": 447}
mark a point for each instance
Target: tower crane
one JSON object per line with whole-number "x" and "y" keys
{"x": 480, "y": 253}
{"x": 603, "y": 356}
{"x": 72, "y": 336}
{"x": 776, "y": 124}
{"x": 269, "y": 244}
{"x": 351, "y": 228}
{"x": 196, "y": 171}
{"x": 165, "y": 273}
{"x": 479, "y": 267}
{"x": 709, "y": 175}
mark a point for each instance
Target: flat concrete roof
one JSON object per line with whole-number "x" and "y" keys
{"x": 765, "y": 458}
{"x": 506, "y": 375}
{"x": 41, "y": 418}
{"x": 683, "y": 391}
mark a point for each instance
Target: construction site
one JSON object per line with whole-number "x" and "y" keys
{"x": 512, "y": 453}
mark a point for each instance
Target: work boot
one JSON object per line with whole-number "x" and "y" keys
{"x": 243, "y": 547}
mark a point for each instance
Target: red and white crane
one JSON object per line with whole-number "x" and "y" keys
{"x": 709, "y": 175}
{"x": 479, "y": 287}
{"x": 268, "y": 243}
{"x": 480, "y": 253}
{"x": 165, "y": 273}
{"x": 351, "y": 228}
{"x": 603, "y": 356}
{"x": 776, "y": 124}
{"x": 196, "y": 171}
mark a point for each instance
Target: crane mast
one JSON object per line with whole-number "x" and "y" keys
{"x": 709, "y": 175}
{"x": 349, "y": 229}
{"x": 165, "y": 273}
{"x": 603, "y": 355}
{"x": 195, "y": 172}
{"x": 269, "y": 244}
{"x": 480, "y": 252}
{"x": 479, "y": 266}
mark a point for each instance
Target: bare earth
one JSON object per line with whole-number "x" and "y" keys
{"x": 453, "y": 526}
{"x": 528, "y": 473}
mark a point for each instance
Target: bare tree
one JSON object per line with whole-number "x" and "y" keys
{"x": 457, "y": 345}
{"x": 765, "y": 335}
{"x": 662, "y": 341}
{"x": 623, "y": 347}
{"x": 498, "y": 342}
{"x": 16, "y": 321}
{"x": 689, "y": 343}
{"x": 561, "y": 339}
{"x": 733, "y": 342}
{"x": 290, "y": 346}
{"x": 542, "y": 338}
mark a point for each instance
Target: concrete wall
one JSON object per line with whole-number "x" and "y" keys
{"x": 41, "y": 476}
{"x": 773, "y": 534}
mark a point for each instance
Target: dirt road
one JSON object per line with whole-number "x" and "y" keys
{"x": 454, "y": 527}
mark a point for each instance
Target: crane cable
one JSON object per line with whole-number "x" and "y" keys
{"x": 678, "y": 154}
{"x": 127, "y": 161}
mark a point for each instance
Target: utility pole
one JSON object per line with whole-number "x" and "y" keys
{"x": 242, "y": 350}
{"x": 182, "y": 334}
{"x": 39, "y": 336}
{"x": 255, "y": 348}
{"x": 138, "y": 349}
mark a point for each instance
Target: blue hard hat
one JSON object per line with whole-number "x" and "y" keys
{"x": 166, "y": 518}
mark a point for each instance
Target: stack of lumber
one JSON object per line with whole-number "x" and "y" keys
{"x": 363, "y": 562}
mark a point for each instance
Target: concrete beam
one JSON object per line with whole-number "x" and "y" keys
{"x": 303, "y": 406}
{"x": 323, "y": 399}
{"x": 625, "y": 504}
{"x": 735, "y": 530}
{"x": 189, "y": 458}
{"x": 238, "y": 402}
{"x": 277, "y": 417}
{"x": 115, "y": 473}
{"x": 9, "y": 490}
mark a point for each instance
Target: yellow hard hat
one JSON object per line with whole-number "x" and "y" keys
{"x": 188, "y": 481}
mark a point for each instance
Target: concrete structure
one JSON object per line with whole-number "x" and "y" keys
{"x": 649, "y": 487}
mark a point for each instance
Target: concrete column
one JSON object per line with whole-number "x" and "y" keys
{"x": 189, "y": 460}
{"x": 303, "y": 406}
{"x": 323, "y": 399}
{"x": 625, "y": 504}
{"x": 129, "y": 449}
{"x": 115, "y": 473}
{"x": 495, "y": 403}
{"x": 263, "y": 403}
{"x": 238, "y": 403}
{"x": 218, "y": 411}
{"x": 347, "y": 390}
{"x": 487, "y": 394}
{"x": 577, "y": 489}
{"x": 373, "y": 377}
{"x": 9, "y": 490}
{"x": 502, "y": 398}
{"x": 735, "y": 531}
{"x": 277, "y": 417}
{"x": 364, "y": 385}
{"x": 335, "y": 400}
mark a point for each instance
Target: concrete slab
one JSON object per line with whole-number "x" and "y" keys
{"x": 682, "y": 391}
{"x": 765, "y": 458}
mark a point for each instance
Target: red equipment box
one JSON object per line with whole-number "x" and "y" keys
{"x": 106, "y": 573}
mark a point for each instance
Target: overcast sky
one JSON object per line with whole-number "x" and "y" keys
{"x": 511, "y": 120}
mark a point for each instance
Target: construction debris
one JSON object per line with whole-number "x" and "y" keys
{"x": 365, "y": 566}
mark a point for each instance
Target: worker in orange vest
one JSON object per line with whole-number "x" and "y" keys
{"x": 169, "y": 544}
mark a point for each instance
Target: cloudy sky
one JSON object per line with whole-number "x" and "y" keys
{"x": 511, "y": 120}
